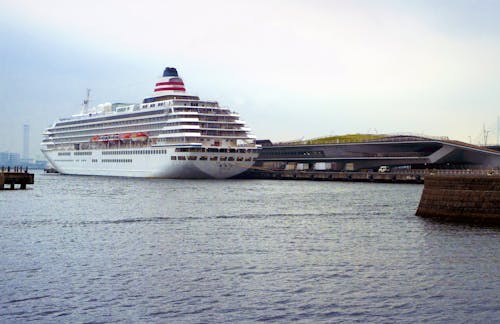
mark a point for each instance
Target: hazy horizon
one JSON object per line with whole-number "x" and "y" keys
{"x": 292, "y": 69}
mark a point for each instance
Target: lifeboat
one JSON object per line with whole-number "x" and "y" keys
{"x": 125, "y": 137}
{"x": 108, "y": 138}
{"x": 139, "y": 137}
{"x": 95, "y": 138}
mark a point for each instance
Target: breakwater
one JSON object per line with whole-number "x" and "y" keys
{"x": 469, "y": 198}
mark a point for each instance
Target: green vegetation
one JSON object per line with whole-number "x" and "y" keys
{"x": 348, "y": 138}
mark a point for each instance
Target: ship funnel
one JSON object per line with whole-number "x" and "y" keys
{"x": 170, "y": 72}
{"x": 169, "y": 83}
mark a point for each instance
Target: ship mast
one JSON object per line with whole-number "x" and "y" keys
{"x": 85, "y": 106}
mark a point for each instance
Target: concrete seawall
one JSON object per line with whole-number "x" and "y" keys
{"x": 334, "y": 176}
{"x": 466, "y": 198}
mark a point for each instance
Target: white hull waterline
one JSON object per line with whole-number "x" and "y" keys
{"x": 151, "y": 163}
{"x": 168, "y": 135}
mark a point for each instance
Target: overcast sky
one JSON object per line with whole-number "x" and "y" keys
{"x": 292, "y": 69}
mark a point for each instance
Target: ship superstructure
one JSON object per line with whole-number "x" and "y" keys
{"x": 171, "y": 134}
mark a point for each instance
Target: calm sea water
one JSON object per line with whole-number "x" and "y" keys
{"x": 97, "y": 249}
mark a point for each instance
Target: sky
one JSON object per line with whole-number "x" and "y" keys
{"x": 292, "y": 69}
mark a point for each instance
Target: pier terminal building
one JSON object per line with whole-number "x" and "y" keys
{"x": 392, "y": 152}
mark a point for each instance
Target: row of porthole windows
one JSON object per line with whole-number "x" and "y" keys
{"x": 212, "y": 149}
{"x": 117, "y": 160}
{"x": 134, "y": 152}
{"x": 211, "y": 158}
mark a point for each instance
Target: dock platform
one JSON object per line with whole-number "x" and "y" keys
{"x": 334, "y": 176}
{"x": 11, "y": 179}
{"x": 411, "y": 176}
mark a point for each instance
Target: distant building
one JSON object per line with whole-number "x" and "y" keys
{"x": 26, "y": 142}
{"x": 9, "y": 159}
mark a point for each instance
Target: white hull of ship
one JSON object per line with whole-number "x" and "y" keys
{"x": 148, "y": 166}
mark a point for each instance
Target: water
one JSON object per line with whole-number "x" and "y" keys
{"x": 95, "y": 249}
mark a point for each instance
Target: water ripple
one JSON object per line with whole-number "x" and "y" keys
{"x": 238, "y": 251}
{"x": 26, "y": 299}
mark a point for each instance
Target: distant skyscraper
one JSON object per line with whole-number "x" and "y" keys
{"x": 498, "y": 130}
{"x": 26, "y": 141}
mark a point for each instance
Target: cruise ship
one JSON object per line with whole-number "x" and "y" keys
{"x": 171, "y": 134}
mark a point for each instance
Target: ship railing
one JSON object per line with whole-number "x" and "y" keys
{"x": 450, "y": 172}
{"x": 280, "y": 166}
